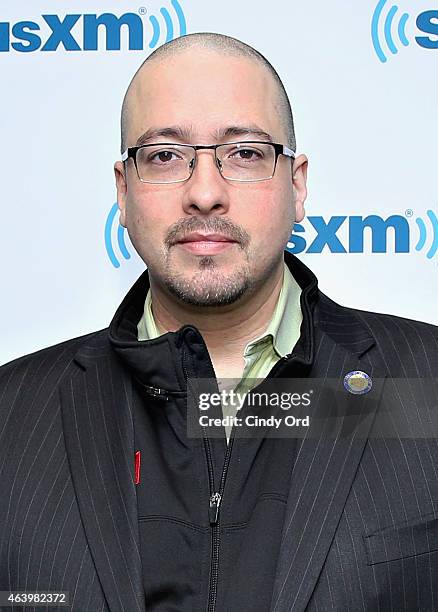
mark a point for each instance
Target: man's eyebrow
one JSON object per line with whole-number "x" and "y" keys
{"x": 184, "y": 135}
{"x": 242, "y": 130}
{"x": 176, "y": 132}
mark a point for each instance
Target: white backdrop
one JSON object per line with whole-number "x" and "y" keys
{"x": 367, "y": 123}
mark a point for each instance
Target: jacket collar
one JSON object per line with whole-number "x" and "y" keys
{"x": 149, "y": 359}
{"x": 281, "y": 332}
{"x": 157, "y": 361}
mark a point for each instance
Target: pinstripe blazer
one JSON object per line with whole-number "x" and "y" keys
{"x": 361, "y": 520}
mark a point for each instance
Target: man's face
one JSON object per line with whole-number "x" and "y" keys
{"x": 212, "y": 99}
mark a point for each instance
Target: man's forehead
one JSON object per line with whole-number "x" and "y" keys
{"x": 195, "y": 76}
{"x": 188, "y": 63}
{"x": 231, "y": 92}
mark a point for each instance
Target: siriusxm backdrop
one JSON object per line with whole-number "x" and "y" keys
{"x": 362, "y": 77}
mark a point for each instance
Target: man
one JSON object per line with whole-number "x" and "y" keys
{"x": 106, "y": 496}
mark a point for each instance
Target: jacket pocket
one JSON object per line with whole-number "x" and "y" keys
{"x": 406, "y": 539}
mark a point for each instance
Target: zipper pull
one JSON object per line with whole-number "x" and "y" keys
{"x": 156, "y": 392}
{"x": 213, "y": 510}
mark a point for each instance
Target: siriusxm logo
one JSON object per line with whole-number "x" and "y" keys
{"x": 115, "y": 233}
{"x": 78, "y": 32}
{"x": 389, "y": 30}
{"x": 319, "y": 234}
{"x": 357, "y": 228}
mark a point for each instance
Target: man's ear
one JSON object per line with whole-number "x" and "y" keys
{"x": 299, "y": 179}
{"x": 122, "y": 189}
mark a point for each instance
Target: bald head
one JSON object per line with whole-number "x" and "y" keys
{"x": 223, "y": 45}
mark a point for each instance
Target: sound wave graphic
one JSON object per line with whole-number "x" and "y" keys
{"x": 168, "y": 23}
{"x": 119, "y": 237}
{"x": 387, "y": 30}
{"x": 423, "y": 234}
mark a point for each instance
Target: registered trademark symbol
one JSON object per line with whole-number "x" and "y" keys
{"x": 409, "y": 212}
{"x": 142, "y": 10}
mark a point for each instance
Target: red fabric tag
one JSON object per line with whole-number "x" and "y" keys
{"x": 137, "y": 468}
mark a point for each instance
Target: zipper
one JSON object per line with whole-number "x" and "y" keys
{"x": 213, "y": 512}
{"x": 214, "y": 504}
{"x": 216, "y": 496}
{"x": 155, "y": 392}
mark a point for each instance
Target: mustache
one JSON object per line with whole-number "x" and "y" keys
{"x": 220, "y": 225}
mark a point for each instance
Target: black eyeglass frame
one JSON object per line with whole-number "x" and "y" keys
{"x": 280, "y": 149}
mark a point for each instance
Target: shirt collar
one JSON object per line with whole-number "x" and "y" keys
{"x": 147, "y": 328}
{"x": 159, "y": 361}
{"x": 284, "y": 328}
{"x": 282, "y": 331}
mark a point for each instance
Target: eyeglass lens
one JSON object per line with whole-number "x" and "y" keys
{"x": 237, "y": 161}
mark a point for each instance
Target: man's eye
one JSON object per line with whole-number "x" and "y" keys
{"x": 246, "y": 155}
{"x": 164, "y": 157}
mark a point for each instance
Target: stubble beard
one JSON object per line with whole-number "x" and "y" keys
{"x": 207, "y": 286}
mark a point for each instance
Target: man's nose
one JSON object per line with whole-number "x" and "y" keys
{"x": 206, "y": 191}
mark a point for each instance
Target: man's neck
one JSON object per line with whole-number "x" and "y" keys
{"x": 226, "y": 330}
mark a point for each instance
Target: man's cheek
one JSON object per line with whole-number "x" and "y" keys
{"x": 276, "y": 228}
{"x": 143, "y": 222}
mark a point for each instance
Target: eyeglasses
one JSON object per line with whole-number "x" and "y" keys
{"x": 167, "y": 162}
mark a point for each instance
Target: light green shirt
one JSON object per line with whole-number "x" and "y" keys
{"x": 260, "y": 354}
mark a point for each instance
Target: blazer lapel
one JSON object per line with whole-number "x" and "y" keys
{"x": 99, "y": 438}
{"x": 326, "y": 465}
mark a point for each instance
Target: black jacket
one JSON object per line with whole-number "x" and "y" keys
{"x": 333, "y": 523}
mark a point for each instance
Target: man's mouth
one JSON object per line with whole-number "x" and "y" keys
{"x": 206, "y": 244}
